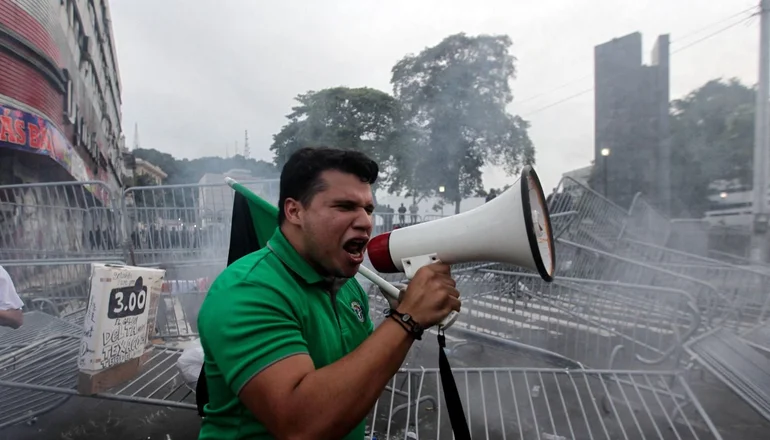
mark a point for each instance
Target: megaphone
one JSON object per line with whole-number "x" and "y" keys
{"x": 513, "y": 228}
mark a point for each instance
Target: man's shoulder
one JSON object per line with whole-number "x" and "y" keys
{"x": 259, "y": 271}
{"x": 255, "y": 284}
{"x": 261, "y": 267}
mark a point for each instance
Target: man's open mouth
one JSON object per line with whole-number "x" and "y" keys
{"x": 355, "y": 246}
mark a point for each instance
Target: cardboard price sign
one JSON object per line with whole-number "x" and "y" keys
{"x": 127, "y": 301}
{"x": 120, "y": 317}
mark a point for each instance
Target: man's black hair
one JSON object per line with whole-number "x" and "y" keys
{"x": 301, "y": 175}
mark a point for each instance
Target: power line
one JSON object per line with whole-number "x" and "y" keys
{"x": 683, "y": 37}
{"x": 583, "y": 92}
{"x": 695, "y": 32}
{"x": 718, "y": 22}
{"x": 561, "y": 101}
{"x": 554, "y": 89}
{"x": 744, "y": 20}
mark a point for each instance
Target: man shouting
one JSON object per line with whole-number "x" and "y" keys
{"x": 290, "y": 349}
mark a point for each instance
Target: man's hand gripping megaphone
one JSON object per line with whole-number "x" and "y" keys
{"x": 429, "y": 302}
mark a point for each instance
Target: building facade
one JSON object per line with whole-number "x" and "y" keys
{"x": 730, "y": 204}
{"x": 153, "y": 172}
{"x": 60, "y": 96}
{"x": 632, "y": 135}
{"x": 581, "y": 175}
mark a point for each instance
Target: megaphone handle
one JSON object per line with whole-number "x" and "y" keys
{"x": 449, "y": 320}
{"x": 412, "y": 265}
{"x": 385, "y": 287}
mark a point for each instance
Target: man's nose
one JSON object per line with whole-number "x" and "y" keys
{"x": 364, "y": 221}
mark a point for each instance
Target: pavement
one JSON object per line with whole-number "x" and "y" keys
{"x": 82, "y": 418}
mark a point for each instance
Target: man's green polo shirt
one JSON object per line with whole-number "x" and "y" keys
{"x": 267, "y": 306}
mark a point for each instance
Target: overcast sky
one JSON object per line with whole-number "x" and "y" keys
{"x": 195, "y": 74}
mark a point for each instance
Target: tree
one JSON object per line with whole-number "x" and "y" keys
{"x": 453, "y": 99}
{"x": 183, "y": 171}
{"x": 362, "y": 119}
{"x": 712, "y": 131}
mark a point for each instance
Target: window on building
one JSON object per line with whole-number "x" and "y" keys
{"x": 70, "y": 109}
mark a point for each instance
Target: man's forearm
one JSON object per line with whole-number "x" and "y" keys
{"x": 11, "y": 318}
{"x": 332, "y": 400}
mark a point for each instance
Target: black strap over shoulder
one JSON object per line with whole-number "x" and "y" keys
{"x": 201, "y": 391}
{"x": 451, "y": 396}
{"x": 243, "y": 241}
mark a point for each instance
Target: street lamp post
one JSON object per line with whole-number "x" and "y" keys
{"x": 441, "y": 190}
{"x": 605, "y": 153}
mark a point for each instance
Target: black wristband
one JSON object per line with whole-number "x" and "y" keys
{"x": 406, "y": 321}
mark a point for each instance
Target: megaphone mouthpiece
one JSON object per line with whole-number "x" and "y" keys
{"x": 379, "y": 254}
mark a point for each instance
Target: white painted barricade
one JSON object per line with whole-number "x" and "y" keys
{"x": 120, "y": 317}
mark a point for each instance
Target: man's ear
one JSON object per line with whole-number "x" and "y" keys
{"x": 293, "y": 210}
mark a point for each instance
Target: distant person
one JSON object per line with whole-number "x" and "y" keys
{"x": 389, "y": 217}
{"x": 413, "y": 210}
{"x": 10, "y": 303}
{"x": 99, "y": 237}
{"x": 492, "y": 194}
{"x": 380, "y": 212}
{"x": 402, "y": 214}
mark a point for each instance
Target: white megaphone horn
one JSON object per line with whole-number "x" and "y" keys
{"x": 513, "y": 228}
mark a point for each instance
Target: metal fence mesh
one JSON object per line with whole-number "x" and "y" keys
{"x": 623, "y": 300}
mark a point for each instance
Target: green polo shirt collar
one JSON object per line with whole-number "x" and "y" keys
{"x": 292, "y": 259}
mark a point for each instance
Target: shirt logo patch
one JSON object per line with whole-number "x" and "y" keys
{"x": 358, "y": 309}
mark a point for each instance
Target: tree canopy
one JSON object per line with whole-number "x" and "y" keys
{"x": 454, "y": 97}
{"x": 445, "y": 120}
{"x": 181, "y": 171}
{"x": 362, "y": 119}
{"x": 712, "y": 131}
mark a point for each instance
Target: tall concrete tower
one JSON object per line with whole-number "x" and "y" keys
{"x": 632, "y": 136}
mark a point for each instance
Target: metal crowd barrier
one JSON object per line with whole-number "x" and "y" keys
{"x": 500, "y": 402}
{"x": 582, "y": 316}
{"x": 522, "y": 403}
{"x": 745, "y": 288}
{"x": 44, "y": 352}
{"x": 58, "y": 222}
{"x": 728, "y": 294}
{"x": 733, "y": 299}
{"x": 644, "y": 221}
{"x": 606, "y": 309}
